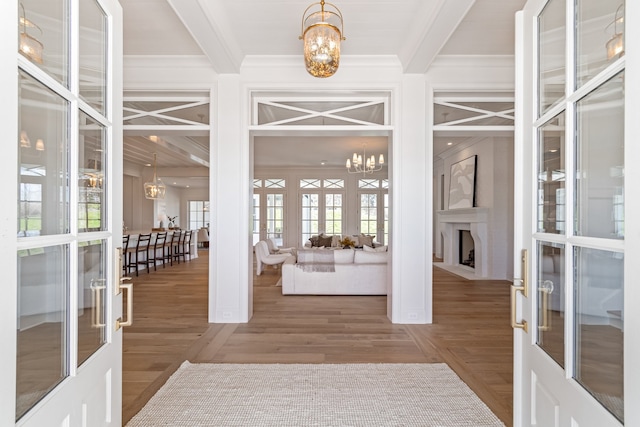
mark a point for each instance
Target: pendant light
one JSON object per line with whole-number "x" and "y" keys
{"x": 154, "y": 189}
{"x": 321, "y": 34}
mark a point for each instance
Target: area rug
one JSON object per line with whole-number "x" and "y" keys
{"x": 315, "y": 395}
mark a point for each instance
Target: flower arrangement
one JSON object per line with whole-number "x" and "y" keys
{"x": 172, "y": 220}
{"x": 347, "y": 242}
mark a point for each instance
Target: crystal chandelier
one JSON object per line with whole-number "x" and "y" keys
{"x": 321, "y": 34}
{"x": 360, "y": 163}
{"x": 154, "y": 189}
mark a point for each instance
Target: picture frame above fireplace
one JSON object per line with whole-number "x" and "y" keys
{"x": 462, "y": 184}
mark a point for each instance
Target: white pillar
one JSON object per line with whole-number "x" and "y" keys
{"x": 411, "y": 298}
{"x": 230, "y": 293}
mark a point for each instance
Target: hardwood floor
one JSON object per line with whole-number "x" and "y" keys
{"x": 471, "y": 332}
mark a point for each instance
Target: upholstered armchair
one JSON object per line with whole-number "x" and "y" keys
{"x": 264, "y": 257}
{"x": 203, "y": 238}
{"x": 275, "y": 249}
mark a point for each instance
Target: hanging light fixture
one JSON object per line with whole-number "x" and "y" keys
{"x": 360, "y": 163}
{"x": 154, "y": 189}
{"x": 615, "y": 45}
{"x": 321, "y": 34}
{"x": 29, "y": 46}
{"x": 25, "y": 142}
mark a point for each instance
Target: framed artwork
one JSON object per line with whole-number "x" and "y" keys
{"x": 462, "y": 184}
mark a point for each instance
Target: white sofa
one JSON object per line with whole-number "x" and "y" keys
{"x": 352, "y": 272}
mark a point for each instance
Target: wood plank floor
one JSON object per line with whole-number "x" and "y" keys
{"x": 470, "y": 333}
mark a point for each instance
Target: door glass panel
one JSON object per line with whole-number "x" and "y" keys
{"x": 551, "y": 176}
{"x": 275, "y": 217}
{"x": 551, "y": 294}
{"x": 333, "y": 214}
{"x": 92, "y": 298}
{"x": 551, "y": 66}
{"x": 91, "y": 206}
{"x": 599, "y": 321}
{"x": 310, "y": 220}
{"x": 43, "y": 160}
{"x": 93, "y": 54}
{"x": 43, "y": 313}
{"x": 43, "y": 36}
{"x": 599, "y": 36}
{"x": 599, "y": 203}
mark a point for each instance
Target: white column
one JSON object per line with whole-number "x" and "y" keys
{"x": 230, "y": 297}
{"x": 410, "y": 300}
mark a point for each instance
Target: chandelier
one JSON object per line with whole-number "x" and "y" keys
{"x": 321, "y": 34}
{"x": 29, "y": 45}
{"x": 360, "y": 163}
{"x": 154, "y": 189}
{"x": 615, "y": 45}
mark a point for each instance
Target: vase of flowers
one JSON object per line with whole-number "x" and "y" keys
{"x": 172, "y": 220}
{"x": 347, "y": 243}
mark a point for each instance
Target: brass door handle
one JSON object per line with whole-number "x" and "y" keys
{"x": 119, "y": 286}
{"x": 523, "y": 288}
{"x": 96, "y": 294}
{"x": 129, "y": 290}
{"x": 546, "y": 288}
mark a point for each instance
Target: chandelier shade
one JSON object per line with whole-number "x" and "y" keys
{"x": 154, "y": 189}
{"x": 360, "y": 163}
{"x": 615, "y": 45}
{"x": 29, "y": 46}
{"x": 321, "y": 35}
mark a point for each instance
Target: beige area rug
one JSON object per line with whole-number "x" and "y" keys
{"x": 315, "y": 395}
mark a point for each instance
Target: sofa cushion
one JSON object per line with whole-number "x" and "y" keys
{"x": 343, "y": 256}
{"x": 375, "y": 249}
{"x": 362, "y": 257}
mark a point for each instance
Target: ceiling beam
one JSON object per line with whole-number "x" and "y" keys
{"x": 432, "y": 34}
{"x": 208, "y": 24}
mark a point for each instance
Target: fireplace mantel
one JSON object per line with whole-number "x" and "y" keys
{"x": 475, "y": 221}
{"x": 468, "y": 215}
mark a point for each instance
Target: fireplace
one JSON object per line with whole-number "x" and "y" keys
{"x": 465, "y": 240}
{"x": 466, "y": 252}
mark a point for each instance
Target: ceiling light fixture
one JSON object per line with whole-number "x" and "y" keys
{"x": 363, "y": 164}
{"x": 615, "y": 45}
{"x": 154, "y": 189}
{"x": 29, "y": 46}
{"x": 321, "y": 34}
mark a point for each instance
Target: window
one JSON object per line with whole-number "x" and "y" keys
{"x": 198, "y": 214}
{"x": 322, "y": 207}
{"x": 374, "y": 216}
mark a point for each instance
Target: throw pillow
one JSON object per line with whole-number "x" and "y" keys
{"x": 325, "y": 241}
{"x": 314, "y": 241}
{"x": 366, "y": 240}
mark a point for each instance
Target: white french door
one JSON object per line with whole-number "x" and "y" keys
{"x": 62, "y": 121}
{"x": 576, "y": 242}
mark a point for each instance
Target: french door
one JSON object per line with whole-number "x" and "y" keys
{"x": 574, "y": 295}
{"x": 62, "y": 108}
{"x": 269, "y": 212}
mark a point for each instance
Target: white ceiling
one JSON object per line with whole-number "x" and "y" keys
{"x": 225, "y": 31}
